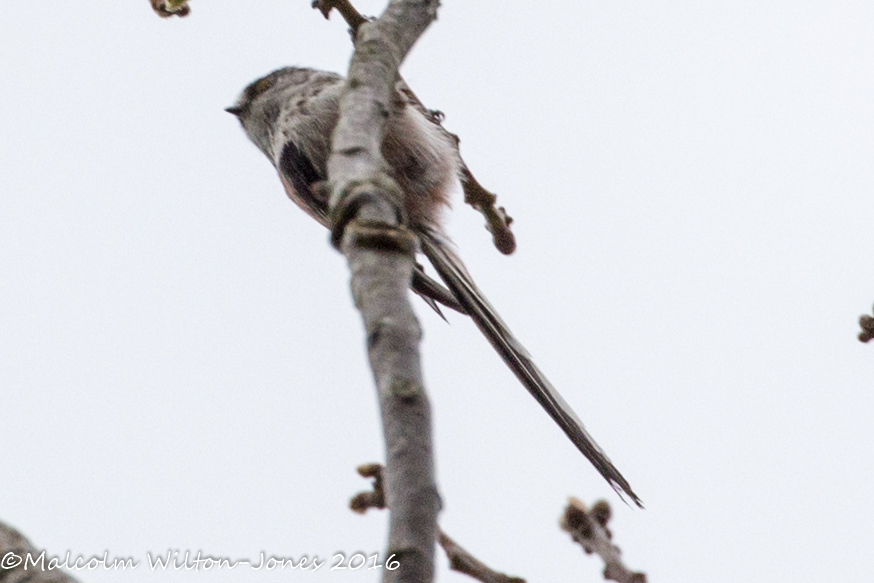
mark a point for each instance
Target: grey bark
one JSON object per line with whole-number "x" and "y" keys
{"x": 368, "y": 218}
{"x": 15, "y": 550}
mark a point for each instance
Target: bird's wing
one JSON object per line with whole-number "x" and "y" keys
{"x": 299, "y": 178}
{"x": 453, "y": 273}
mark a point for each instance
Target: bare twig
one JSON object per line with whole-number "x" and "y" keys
{"x": 462, "y": 561}
{"x": 589, "y": 528}
{"x": 867, "y": 324}
{"x": 363, "y": 501}
{"x": 459, "y": 559}
{"x": 497, "y": 220}
{"x": 369, "y": 226}
{"x": 15, "y": 550}
{"x": 346, "y": 10}
{"x": 168, "y": 8}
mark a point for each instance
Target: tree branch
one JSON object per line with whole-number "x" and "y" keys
{"x": 497, "y": 220}
{"x": 459, "y": 559}
{"x": 14, "y": 546}
{"x": 462, "y": 561}
{"x": 867, "y": 324}
{"x": 349, "y": 13}
{"x": 369, "y": 226}
{"x": 168, "y": 8}
{"x": 589, "y": 528}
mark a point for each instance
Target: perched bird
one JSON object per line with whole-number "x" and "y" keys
{"x": 290, "y": 115}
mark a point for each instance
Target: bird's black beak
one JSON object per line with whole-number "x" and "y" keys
{"x": 235, "y": 109}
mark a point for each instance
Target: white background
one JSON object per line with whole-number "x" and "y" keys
{"x": 182, "y": 368}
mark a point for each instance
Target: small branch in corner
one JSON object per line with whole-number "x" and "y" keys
{"x": 17, "y": 551}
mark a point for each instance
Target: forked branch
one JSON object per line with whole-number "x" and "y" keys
{"x": 497, "y": 220}
{"x": 588, "y": 527}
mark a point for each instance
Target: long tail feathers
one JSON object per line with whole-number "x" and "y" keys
{"x": 452, "y": 271}
{"x": 432, "y": 292}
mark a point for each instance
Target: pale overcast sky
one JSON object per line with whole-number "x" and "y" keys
{"x": 183, "y": 369}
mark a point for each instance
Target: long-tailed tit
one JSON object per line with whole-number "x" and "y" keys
{"x": 290, "y": 115}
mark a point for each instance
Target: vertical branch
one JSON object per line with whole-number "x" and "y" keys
{"x": 369, "y": 226}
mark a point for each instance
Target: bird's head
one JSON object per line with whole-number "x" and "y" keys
{"x": 262, "y": 102}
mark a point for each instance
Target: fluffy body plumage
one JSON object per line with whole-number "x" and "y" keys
{"x": 291, "y": 103}
{"x": 290, "y": 115}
